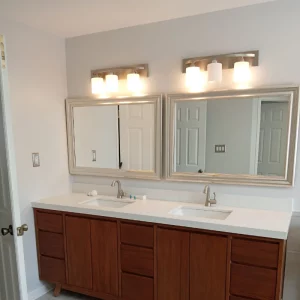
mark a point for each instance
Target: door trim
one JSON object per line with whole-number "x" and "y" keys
{"x": 13, "y": 182}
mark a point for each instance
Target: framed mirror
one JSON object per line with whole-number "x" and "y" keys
{"x": 235, "y": 137}
{"x": 115, "y": 137}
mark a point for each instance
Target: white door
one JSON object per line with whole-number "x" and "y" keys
{"x": 191, "y": 136}
{"x": 12, "y": 266}
{"x": 96, "y": 136}
{"x": 137, "y": 136}
{"x": 273, "y": 138}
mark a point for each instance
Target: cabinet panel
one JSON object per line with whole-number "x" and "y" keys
{"x": 255, "y": 253}
{"x": 105, "y": 256}
{"x": 49, "y": 222}
{"x": 51, "y": 244}
{"x": 253, "y": 282}
{"x": 137, "y": 287}
{"x": 172, "y": 264}
{"x": 137, "y": 260}
{"x": 208, "y": 266}
{"x": 79, "y": 254}
{"x": 137, "y": 235}
{"x": 52, "y": 269}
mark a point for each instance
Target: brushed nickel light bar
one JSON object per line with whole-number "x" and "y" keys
{"x": 122, "y": 72}
{"x": 227, "y": 60}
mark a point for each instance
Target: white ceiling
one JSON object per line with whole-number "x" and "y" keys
{"x": 68, "y": 18}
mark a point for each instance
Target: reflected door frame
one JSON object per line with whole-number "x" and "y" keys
{"x": 280, "y": 101}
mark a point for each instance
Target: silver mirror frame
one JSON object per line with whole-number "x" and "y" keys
{"x": 254, "y": 180}
{"x": 103, "y": 172}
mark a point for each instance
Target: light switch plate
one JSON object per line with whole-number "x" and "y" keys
{"x": 220, "y": 148}
{"x": 94, "y": 155}
{"x": 36, "y": 160}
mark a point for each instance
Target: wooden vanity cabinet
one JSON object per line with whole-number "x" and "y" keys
{"x": 208, "y": 266}
{"x": 104, "y": 243}
{"x": 173, "y": 248}
{"x": 114, "y": 259}
{"x": 79, "y": 252}
{"x": 191, "y": 265}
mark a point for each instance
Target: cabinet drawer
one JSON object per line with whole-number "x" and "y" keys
{"x": 256, "y": 253}
{"x": 51, "y": 244}
{"x": 137, "y": 287}
{"x": 52, "y": 269}
{"x": 49, "y": 222}
{"x": 137, "y": 260}
{"x": 138, "y": 235}
{"x": 253, "y": 282}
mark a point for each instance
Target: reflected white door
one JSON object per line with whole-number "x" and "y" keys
{"x": 12, "y": 266}
{"x": 273, "y": 138}
{"x": 96, "y": 136}
{"x": 190, "y": 136}
{"x": 137, "y": 136}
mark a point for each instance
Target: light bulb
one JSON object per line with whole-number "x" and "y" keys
{"x": 214, "y": 70}
{"x": 194, "y": 79}
{"x": 112, "y": 83}
{"x": 242, "y": 73}
{"x": 97, "y": 85}
{"x": 134, "y": 82}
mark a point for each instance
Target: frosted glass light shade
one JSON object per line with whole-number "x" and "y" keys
{"x": 194, "y": 78}
{"x": 242, "y": 73}
{"x": 214, "y": 70}
{"x": 97, "y": 85}
{"x": 134, "y": 82}
{"x": 112, "y": 83}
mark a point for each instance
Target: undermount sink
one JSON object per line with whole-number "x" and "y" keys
{"x": 200, "y": 212}
{"x": 108, "y": 202}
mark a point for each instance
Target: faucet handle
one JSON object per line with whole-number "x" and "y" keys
{"x": 213, "y": 200}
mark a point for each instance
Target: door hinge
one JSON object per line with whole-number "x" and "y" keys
{"x": 6, "y": 231}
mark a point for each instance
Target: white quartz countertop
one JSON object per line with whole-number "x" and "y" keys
{"x": 262, "y": 223}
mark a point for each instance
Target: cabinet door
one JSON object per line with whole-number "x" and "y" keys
{"x": 172, "y": 264}
{"x": 105, "y": 256}
{"x": 208, "y": 266}
{"x": 79, "y": 254}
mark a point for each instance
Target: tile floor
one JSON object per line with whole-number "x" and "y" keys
{"x": 65, "y": 296}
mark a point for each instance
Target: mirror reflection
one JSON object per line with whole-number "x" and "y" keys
{"x": 246, "y": 135}
{"x": 115, "y": 136}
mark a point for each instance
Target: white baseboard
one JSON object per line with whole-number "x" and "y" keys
{"x": 39, "y": 292}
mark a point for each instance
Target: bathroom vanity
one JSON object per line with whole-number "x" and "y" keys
{"x": 159, "y": 250}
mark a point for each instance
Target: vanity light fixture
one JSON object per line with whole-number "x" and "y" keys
{"x": 134, "y": 83}
{"x": 194, "y": 79}
{"x": 192, "y": 76}
{"x": 214, "y": 70}
{"x": 242, "y": 73}
{"x": 132, "y": 74}
{"x": 214, "y": 65}
{"x": 98, "y": 86}
{"x": 112, "y": 83}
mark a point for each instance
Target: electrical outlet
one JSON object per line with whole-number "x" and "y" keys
{"x": 220, "y": 148}
{"x": 36, "y": 160}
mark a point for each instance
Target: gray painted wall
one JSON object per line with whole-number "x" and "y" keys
{"x": 37, "y": 87}
{"x": 229, "y": 122}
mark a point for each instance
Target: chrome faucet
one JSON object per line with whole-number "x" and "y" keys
{"x": 121, "y": 193}
{"x": 209, "y": 201}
